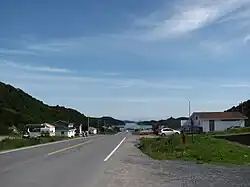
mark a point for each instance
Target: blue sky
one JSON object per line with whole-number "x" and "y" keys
{"x": 128, "y": 59}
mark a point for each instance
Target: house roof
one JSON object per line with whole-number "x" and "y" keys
{"x": 220, "y": 115}
{"x": 64, "y": 128}
{"x": 62, "y": 125}
{"x": 33, "y": 125}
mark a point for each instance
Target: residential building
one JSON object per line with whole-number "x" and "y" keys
{"x": 63, "y": 128}
{"x": 216, "y": 121}
{"x": 48, "y": 128}
{"x": 36, "y": 130}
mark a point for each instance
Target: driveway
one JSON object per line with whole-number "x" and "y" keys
{"x": 131, "y": 168}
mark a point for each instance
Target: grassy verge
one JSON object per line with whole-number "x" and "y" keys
{"x": 18, "y": 143}
{"x": 232, "y": 131}
{"x": 205, "y": 149}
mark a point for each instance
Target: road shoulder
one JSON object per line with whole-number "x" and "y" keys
{"x": 130, "y": 167}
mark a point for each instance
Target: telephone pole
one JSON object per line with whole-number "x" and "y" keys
{"x": 189, "y": 108}
{"x": 98, "y": 126}
{"x": 88, "y": 123}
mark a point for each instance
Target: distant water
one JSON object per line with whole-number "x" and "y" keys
{"x": 136, "y": 126}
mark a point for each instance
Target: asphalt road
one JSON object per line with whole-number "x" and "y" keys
{"x": 74, "y": 163}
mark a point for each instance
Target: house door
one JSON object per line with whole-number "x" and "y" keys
{"x": 211, "y": 125}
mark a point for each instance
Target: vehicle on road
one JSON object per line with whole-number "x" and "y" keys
{"x": 168, "y": 132}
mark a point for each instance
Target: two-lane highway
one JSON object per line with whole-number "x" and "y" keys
{"x": 77, "y": 163}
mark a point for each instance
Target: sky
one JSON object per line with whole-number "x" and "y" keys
{"x": 130, "y": 59}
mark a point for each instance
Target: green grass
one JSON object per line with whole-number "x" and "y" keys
{"x": 205, "y": 149}
{"x": 232, "y": 131}
{"x": 10, "y": 143}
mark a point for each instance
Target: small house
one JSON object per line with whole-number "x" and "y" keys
{"x": 36, "y": 130}
{"x": 63, "y": 128}
{"x": 48, "y": 128}
{"x": 217, "y": 121}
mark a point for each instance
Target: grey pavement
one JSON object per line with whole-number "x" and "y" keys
{"x": 77, "y": 167}
{"x": 80, "y": 164}
{"x": 131, "y": 168}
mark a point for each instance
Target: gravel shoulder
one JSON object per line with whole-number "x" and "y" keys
{"x": 129, "y": 167}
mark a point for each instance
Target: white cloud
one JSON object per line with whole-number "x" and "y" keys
{"x": 246, "y": 39}
{"x": 186, "y": 17}
{"x": 34, "y": 68}
{"x": 100, "y": 79}
{"x": 16, "y": 52}
{"x": 238, "y": 85}
{"x": 221, "y": 47}
{"x": 241, "y": 15}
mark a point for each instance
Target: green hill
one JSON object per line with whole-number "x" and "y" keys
{"x": 18, "y": 108}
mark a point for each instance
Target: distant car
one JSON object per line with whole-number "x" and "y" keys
{"x": 168, "y": 132}
{"x": 26, "y": 135}
{"x": 126, "y": 130}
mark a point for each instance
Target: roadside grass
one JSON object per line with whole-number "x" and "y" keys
{"x": 231, "y": 131}
{"x": 204, "y": 149}
{"x": 10, "y": 143}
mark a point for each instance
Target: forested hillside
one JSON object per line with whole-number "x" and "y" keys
{"x": 18, "y": 108}
{"x": 243, "y": 108}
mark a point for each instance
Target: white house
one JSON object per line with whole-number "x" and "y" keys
{"x": 36, "y": 130}
{"x": 217, "y": 121}
{"x": 48, "y": 128}
{"x": 63, "y": 128}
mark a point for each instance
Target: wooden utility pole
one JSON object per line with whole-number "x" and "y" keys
{"x": 98, "y": 126}
{"x": 189, "y": 108}
{"x": 88, "y": 124}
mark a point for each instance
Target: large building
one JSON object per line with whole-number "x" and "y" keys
{"x": 216, "y": 121}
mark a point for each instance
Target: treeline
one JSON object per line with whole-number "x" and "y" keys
{"x": 18, "y": 108}
{"x": 243, "y": 108}
{"x": 171, "y": 122}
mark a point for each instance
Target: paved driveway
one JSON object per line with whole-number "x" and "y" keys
{"x": 131, "y": 168}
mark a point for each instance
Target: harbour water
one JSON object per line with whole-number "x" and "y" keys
{"x": 136, "y": 126}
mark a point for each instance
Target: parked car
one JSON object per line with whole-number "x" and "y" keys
{"x": 168, "y": 132}
{"x": 26, "y": 135}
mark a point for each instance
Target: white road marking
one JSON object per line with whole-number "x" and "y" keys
{"x": 112, "y": 152}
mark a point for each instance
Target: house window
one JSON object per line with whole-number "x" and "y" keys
{"x": 62, "y": 133}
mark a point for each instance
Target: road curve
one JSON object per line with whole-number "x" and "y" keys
{"x": 76, "y": 163}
